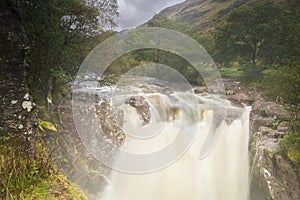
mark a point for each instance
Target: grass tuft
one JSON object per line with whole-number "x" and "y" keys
{"x": 26, "y": 172}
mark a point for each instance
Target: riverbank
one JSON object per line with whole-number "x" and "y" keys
{"x": 273, "y": 175}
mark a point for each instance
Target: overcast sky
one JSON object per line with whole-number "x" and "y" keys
{"x": 136, "y": 12}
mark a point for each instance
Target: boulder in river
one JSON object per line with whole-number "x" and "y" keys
{"x": 142, "y": 107}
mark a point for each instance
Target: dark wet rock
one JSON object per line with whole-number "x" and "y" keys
{"x": 283, "y": 126}
{"x": 236, "y": 92}
{"x": 280, "y": 134}
{"x": 142, "y": 107}
{"x": 109, "y": 123}
{"x": 229, "y": 92}
{"x": 276, "y": 175}
{"x": 264, "y": 130}
{"x": 240, "y": 98}
{"x": 270, "y": 109}
{"x": 118, "y": 116}
{"x": 76, "y": 160}
{"x": 200, "y": 89}
{"x": 73, "y": 157}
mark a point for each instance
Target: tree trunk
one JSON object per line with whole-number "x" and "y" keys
{"x": 49, "y": 92}
{"x": 16, "y": 104}
{"x": 254, "y": 50}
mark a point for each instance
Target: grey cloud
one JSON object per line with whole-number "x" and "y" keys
{"x": 136, "y": 12}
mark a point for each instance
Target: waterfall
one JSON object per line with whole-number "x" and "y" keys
{"x": 214, "y": 171}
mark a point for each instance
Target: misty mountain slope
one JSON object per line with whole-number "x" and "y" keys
{"x": 202, "y": 14}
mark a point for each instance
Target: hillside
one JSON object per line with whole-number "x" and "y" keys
{"x": 201, "y": 14}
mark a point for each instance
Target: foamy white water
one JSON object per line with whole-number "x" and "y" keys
{"x": 220, "y": 175}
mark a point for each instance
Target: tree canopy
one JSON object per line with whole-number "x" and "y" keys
{"x": 249, "y": 34}
{"x": 60, "y": 34}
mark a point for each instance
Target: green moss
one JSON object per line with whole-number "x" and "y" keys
{"x": 290, "y": 145}
{"x": 294, "y": 154}
{"x": 56, "y": 187}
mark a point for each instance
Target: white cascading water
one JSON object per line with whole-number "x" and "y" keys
{"x": 220, "y": 175}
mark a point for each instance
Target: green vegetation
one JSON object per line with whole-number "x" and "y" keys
{"x": 262, "y": 39}
{"x": 60, "y": 35}
{"x": 146, "y": 56}
{"x": 160, "y": 21}
{"x": 231, "y": 72}
{"x": 290, "y": 144}
{"x": 27, "y": 172}
{"x": 248, "y": 35}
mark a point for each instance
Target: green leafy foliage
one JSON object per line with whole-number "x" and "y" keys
{"x": 284, "y": 82}
{"x": 26, "y": 172}
{"x": 290, "y": 144}
{"x": 146, "y": 56}
{"x": 248, "y": 34}
{"x": 42, "y": 125}
{"x": 60, "y": 35}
